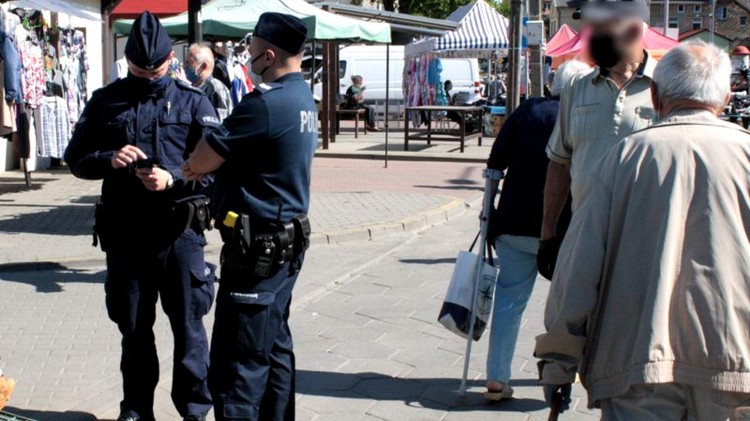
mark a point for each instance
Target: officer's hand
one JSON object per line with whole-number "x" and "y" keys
{"x": 155, "y": 179}
{"x": 127, "y": 156}
{"x": 546, "y": 257}
{"x": 189, "y": 173}
{"x": 557, "y": 396}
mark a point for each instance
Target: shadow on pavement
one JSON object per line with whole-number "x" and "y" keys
{"x": 17, "y": 184}
{"x": 60, "y": 220}
{"x": 456, "y": 187}
{"x": 52, "y": 415}
{"x": 48, "y": 277}
{"x": 429, "y": 393}
{"x": 441, "y": 261}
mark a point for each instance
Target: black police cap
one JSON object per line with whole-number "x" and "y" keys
{"x": 284, "y": 31}
{"x": 148, "y": 45}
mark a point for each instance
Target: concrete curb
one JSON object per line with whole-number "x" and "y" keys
{"x": 399, "y": 156}
{"x": 410, "y": 224}
{"x": 413, "y": 223}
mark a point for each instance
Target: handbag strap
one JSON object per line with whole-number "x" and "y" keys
{"x": 488, "y": 249}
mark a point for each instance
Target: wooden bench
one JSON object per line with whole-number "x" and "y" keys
{"x": 356, "y": 113}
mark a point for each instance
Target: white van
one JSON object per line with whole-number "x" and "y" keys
{"x": 370, "y": 63}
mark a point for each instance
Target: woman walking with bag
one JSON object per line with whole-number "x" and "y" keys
{"x": 516, "y": 226}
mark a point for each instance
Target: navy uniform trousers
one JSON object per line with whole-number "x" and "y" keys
{"x": 180, "y": 277}
{"x": 252, "y": 358}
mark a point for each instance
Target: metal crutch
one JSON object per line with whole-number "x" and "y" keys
{"x": 489, "y": 177}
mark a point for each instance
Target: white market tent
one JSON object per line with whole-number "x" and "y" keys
{"x": 236, "y": 18}
{"x": 482, "y": 31}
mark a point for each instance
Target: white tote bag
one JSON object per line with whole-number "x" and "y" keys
{"x": 454, "y": 314}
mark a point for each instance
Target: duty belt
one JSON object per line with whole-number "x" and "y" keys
{"x": 263, "y": 247}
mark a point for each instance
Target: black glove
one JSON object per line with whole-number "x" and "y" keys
{"x": 558, "y": 394}
{"x": 546, "y": 258}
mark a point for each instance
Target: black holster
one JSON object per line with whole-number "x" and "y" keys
{"x": 193, "y": 212}
{"x": 263, "y": 249}
{"x": 102, "y": 229}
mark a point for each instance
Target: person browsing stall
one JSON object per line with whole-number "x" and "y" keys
{"x": 199, "y": 69}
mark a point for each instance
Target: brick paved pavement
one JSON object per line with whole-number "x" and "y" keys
{"x": 368, "y": 345}
{"x": 52, "y": 221}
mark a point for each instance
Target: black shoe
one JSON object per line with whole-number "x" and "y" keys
{"x": 195, "y": 418}
{"x": 131, "y": 416}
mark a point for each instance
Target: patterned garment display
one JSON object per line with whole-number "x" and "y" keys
{"x": 33, "y": 77}
{"x": 56, "y": 127}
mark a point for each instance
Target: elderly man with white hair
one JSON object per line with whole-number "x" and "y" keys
{"x": 520, "y": 151}
{"x": 651, "y": 300}
{"x": 199, "y": 69}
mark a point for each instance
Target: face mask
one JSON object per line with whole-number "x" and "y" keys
{"x": 257, "y": 78}
{"x": 149, "y": 85}
{"x": 603, "y": 51}
{"x": 191, "y": 74}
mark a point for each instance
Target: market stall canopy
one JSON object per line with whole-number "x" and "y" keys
{"x": 58, "y": 6}
{"x": 237, "y": 18}
{"x": 482, "y": 29}
{"x": 131, "y": 9}
{"x": 653, "y": 41}
{"x": 561, "y": 37}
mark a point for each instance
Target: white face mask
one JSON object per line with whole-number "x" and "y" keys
{"x": 256, "y": 78}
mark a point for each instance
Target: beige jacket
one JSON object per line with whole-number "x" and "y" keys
{"x": 653, "y": 279}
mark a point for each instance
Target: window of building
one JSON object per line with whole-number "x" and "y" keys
{"x": 697, "y": 23}
{"x": 743, "y": 20}
{"x": 721, "y": 13}
{"x": 674, "y": 23}
{"x": 697, "y": 8}
{"x": 680, "y": 8}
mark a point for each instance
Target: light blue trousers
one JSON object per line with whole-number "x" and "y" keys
{"x": 518, "y": 271}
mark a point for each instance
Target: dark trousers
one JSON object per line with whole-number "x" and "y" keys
{"x": 252, "y": 357}
{"x": 180, "y": 276}
{"x": 369, "y": 115}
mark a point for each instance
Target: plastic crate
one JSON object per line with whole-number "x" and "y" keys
{"x": 6, "y": 416}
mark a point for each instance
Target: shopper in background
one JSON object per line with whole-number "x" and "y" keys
{"x": 199, "y": 69}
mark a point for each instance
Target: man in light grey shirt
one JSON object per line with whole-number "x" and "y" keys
{"x": 596, "y": 110}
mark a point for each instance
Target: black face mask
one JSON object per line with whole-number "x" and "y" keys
{"x": 149, "y": 86}
{"x": 603, "y": 50}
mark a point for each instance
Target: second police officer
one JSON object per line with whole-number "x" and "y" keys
{"x": 134, "y": 134}
{"x": 262, "y": 157}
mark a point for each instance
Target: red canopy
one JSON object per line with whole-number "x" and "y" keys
{"x": 131, "y": 9}
{"x": 656, "y": 44}
{"x": 561, "y": 37}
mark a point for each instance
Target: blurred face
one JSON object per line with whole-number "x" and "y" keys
{"x": 448, "y": 86}
{"x": 614, "y": 41}
{"x": 156, "y": 73}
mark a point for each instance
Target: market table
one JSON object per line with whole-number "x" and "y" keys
{"x": 452, "y": 135}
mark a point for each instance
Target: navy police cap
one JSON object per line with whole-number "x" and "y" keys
{"x": 284, "y": 31}
{"x": 148, "y": 45}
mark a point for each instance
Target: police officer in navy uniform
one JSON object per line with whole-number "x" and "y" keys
{"x": 262, "y": 157}
{"x": 134, "y": 134}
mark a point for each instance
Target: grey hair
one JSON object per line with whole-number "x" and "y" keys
{"x": 202, "y": 54}
{"x": 694, "y": 71}
{"x": 565, "y": 74}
